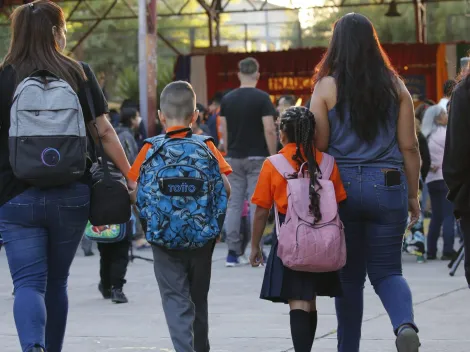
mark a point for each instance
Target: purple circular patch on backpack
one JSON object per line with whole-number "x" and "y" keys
{"x": 50, "y": 157}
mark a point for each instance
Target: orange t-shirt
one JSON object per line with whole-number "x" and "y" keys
{"x": 272, "y": 186}
{"x": 135, "y": 169}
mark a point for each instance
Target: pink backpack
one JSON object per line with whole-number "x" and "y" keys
{"x": 304, "y": 245}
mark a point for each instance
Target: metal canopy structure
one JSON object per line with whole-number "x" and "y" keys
{"x": 149, "y": 12}
{"x": 84, "y": 11}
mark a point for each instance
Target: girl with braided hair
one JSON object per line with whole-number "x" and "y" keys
{"x": 281, "y": 284}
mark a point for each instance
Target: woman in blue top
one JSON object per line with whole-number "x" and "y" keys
{"x": 365, "y": 120}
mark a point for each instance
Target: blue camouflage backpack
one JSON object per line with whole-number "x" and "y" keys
{"x": 181, "y": 196}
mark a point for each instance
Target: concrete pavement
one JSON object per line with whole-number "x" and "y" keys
{"x": 239, "y": 320}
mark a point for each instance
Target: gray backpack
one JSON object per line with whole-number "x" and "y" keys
{"x": 48, "y": 142}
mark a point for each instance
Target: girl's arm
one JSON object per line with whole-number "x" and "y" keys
{"x": 259, "y": 224}
{"x": 227, "y": 186}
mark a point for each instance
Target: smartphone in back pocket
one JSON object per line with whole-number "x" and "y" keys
{"x": 392, "y": 178}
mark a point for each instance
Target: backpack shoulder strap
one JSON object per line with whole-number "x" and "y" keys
{"x": 203, "y": 141}
{"x": 202, "y": 138}
{"x": 155, "y": 144}
{"x": 326, "y": 166}
{"x": 153, "y": 140}
{"x": 281, "y": 164}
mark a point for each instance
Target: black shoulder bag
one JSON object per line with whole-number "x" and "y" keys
{"x": 110, "y": 201}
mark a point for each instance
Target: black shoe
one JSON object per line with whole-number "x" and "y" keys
{"x": 449, "y": 256}
{"x": 117, "y": 296}
{"x": 407, "y": 340}
{"x": 37, "y": 349}
{"x": 106, "y": 292}
{"x": 431, "y": 257}
{"x": 88, "y": 253}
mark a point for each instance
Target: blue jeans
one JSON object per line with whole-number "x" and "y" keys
{"x": 442, "y": 217}
{"x": 42, "y": 230}
{"x": 375, "y": 218}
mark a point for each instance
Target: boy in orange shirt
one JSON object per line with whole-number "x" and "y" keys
{"x": 183, "y": 274}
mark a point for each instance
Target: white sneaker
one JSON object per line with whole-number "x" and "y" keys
{"x": 233, "y": 261}
{"x": 243, "y": 260}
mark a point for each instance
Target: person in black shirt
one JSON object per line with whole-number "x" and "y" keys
{"x": 42, "y": 228}
{"x": 456, "y": 165}
{"x": 248, "y": 137}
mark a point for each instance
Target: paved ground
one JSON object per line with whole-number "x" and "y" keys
{"x": 239, "y": 320}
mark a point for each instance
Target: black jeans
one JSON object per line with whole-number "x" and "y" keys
{"x": 113, "y": 263}
{"x": 465, "y": 226}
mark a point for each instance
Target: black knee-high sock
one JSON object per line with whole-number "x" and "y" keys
{"x": 313, "y": 325}
{"x": 300, "y": 330}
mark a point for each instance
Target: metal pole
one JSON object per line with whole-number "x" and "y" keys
{"x": 148, "y": 64}
{"x": 217, "y": 30}
{"x": 420, "y": 21}
{"x": 152, "y": 67}
{"x": 211, "y": 36}
{"x": 143, "y": 62}
{"x": 246, "y": 37}
{"x": 299, "y": 35}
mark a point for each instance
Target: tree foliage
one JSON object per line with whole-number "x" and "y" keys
{"x": 112, "y": 47}
{"x": 446, "y": 22}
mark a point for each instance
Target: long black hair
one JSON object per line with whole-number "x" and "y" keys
{"x": 298, "y": 125}
{"x": 365, "y": 79}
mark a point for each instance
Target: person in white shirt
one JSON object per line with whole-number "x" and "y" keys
{"x": 434, "y": 128}
{"x": 448, "y": 88}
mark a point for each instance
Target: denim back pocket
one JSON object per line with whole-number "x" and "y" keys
{"x": 73, "y": 212}
{"x": 19, "y": 210}
{"x": 391, "y": 197}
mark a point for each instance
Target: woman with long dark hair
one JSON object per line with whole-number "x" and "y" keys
{"x": 365, "y": 120}
{"x": 42, "y": 227}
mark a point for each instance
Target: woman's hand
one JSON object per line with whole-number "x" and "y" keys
{"x": 256, "y": 256}
{"x": 415, "y": 211}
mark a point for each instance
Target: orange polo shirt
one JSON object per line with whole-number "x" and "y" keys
{"x": 272, "y": 186}
{"x": 135, "y": 169}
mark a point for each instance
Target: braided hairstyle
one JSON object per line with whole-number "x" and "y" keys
{"x": 298, "y": 125}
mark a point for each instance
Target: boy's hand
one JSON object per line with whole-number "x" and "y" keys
{"x": 256, "y": 256}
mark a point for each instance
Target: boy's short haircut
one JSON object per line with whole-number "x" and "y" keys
{"x": 248, "y": 66}
{"x": 178, "y": 101}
